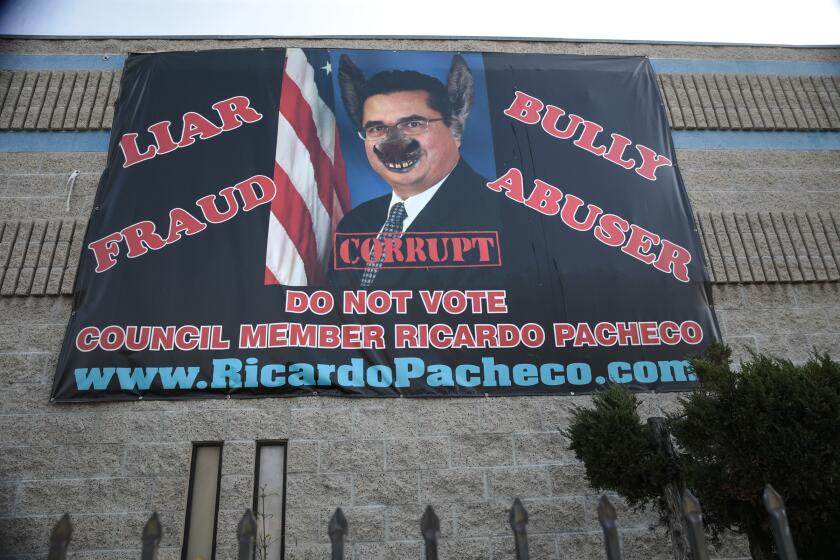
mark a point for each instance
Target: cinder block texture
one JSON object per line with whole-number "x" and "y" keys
{"x": 750, "y": 101}
{"x": 770, "y": 247}
{"x": 58, "y": 100}
{"x": 761, "y": 216}
{"x": 111, "y": 465}
{"x": 39, "y": 257}
{"x": 84, "y": 100}
{"x": 768, "y": 221}
{"x": 761, "y": 181}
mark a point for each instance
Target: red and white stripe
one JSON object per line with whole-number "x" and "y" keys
{"x": 312, "y": 193}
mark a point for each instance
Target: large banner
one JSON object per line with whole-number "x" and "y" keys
{"x": 371, "y": 223}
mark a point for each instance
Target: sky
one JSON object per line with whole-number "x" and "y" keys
{"x": 773, "y": 22}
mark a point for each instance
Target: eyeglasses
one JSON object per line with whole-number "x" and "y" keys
{"x": 410, "y": 127}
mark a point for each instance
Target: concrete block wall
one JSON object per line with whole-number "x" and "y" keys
{"x": 112, "y": 464}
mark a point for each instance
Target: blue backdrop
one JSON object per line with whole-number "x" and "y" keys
{"x": 476, "y": 143}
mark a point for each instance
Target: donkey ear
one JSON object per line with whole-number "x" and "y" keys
{"x": 461, "y": 89}
{"x": 352, "y": 82}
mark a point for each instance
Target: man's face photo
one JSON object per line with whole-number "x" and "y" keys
{"x": 410, "y": 129}
{"x": 385, "y": 89}
{"x": 407, "y": 142}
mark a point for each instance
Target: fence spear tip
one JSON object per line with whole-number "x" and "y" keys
{"x": 247, "y": 524}
{"x": 153, "y": 530}
{"x": 773, "y": 500}
{"x": 338, "y": 523}
{"x": 606, "y": 510}
{"x": 518, "y": 514}
{"x": 63, "y": 530}
{"x": 691, "y": 505}
{"x": 429, "y": 521}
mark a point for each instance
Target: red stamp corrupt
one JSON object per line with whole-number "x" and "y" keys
{"x": 417, "y": 249}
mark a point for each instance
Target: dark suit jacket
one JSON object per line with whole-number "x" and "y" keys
{"x": 462, "y": 203}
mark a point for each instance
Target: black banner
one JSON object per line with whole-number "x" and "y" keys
{"x": 289, "y": 222}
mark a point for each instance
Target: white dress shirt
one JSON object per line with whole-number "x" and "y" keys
{"x": 413, "y": 204}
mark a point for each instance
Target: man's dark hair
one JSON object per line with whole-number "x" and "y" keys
{"x": 453, "y": 101}
{"x": 392, "y": 81}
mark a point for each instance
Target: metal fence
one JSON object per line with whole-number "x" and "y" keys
{"x": 430, "y": 530}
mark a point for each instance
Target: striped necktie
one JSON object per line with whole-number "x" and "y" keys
{"x": 393, "y": 228}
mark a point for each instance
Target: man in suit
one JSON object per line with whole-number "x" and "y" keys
{"x": 411, "y": 125}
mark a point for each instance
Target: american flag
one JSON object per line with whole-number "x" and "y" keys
{"x": 312, "y": 193}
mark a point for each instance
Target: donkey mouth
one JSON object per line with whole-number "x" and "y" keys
{"x": 401, "y": 166}
{"x": 398, "y": 156}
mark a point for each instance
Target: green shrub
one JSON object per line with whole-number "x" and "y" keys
{"x": 771, "y": 422}
{"x": 617, "y": 450}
